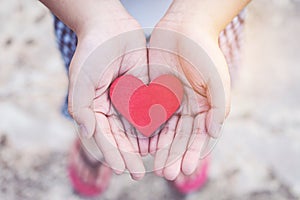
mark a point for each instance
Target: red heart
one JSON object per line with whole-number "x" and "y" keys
{"x": 146, "y": 107}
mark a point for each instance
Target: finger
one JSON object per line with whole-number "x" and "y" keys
{"x": 131, "y": 134}
{"x": 132, "y": 160}
{"x": 143, "y": 145}
{"x": 153, "y": 144}
{"x": 90, "y": 146}
{"x": 214, "y": 122}
{"x": 136, "y": 64}
{"x": 107, "y": 144}
{"x": 164, "y": 142}
{"x": 178, "y": 147}
{"x": 196, "y": 143}
{"x": 80, "y": 99}
{"x": 216, "y": 94}
{"x": 219, "y": 91}
{"x": 208, "y": 146}
{"x": 133, "y": 140}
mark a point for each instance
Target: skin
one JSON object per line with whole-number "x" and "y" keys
{"x": 89, "y": 104}
{"x": 96, "y": 21}
{"x": 88, "y": 96}
{"x": 188, "y": 133}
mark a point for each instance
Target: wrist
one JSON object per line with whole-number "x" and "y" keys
{"x": 107, "y": 20}
{"x": 93, "y": 15}
{"x": 192, "y": 17}
{"x": 215, "y": 14}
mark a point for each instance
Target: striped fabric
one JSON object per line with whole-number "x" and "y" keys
{"x": 230, "y": 42}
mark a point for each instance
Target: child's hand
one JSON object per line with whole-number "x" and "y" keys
{"x": 91, "y": 73}
{"x": 183, "y": 141}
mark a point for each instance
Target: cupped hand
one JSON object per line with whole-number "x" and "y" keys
{"x": 190, "y": 48}
{"x": 109, "y": 45}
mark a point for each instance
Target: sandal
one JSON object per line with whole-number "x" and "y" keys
{"x": 80, "y": 186}
{"x": 194, "y": 182}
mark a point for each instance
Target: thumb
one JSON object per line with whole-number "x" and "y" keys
{"x": 80, "y": 98}
{"x": 208, "y": 62}
{"x": 219, "y": 93}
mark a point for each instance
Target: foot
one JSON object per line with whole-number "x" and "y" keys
{"x": 88, "y": 176}
{"x": 194, "y": 182}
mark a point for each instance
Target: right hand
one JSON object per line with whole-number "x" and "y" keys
{"x": 107, "y": 37}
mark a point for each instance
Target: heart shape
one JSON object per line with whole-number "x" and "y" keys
{"x": 146, "y": 107}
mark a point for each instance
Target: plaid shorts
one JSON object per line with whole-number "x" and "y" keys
{"x": 230, "y": 41}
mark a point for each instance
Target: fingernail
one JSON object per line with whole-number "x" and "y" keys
{"x": 159, "y": 173}
{"x": 207, "y": 148}
{"x": 152, "y": 152}
{"x": 215, "y": 129}
{"x": 118, "y": 172}
{"x": 137, "y": 176}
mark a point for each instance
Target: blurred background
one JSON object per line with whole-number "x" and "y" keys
{"x": 257, "y": 158}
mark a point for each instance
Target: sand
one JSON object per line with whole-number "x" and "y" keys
{"x": 256, "y": 158}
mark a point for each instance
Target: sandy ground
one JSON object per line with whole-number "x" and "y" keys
{"x": 257, "y": 158}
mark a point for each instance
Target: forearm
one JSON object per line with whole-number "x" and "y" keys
{"x": 217, "y": 12}
{"x": 77, "y": 14}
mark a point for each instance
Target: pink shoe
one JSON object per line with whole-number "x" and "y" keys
{"x": 79, "y": 185}
{"x": 195, "y": 182}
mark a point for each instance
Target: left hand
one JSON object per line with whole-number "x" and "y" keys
{"x": 185, "y": 137}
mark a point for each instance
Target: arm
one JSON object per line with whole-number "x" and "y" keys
{"x": 81, "y": 14}
{"x": 218, "y": 13}
{"x": 96, "y": 23}
{"x": 200, "y": 21}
